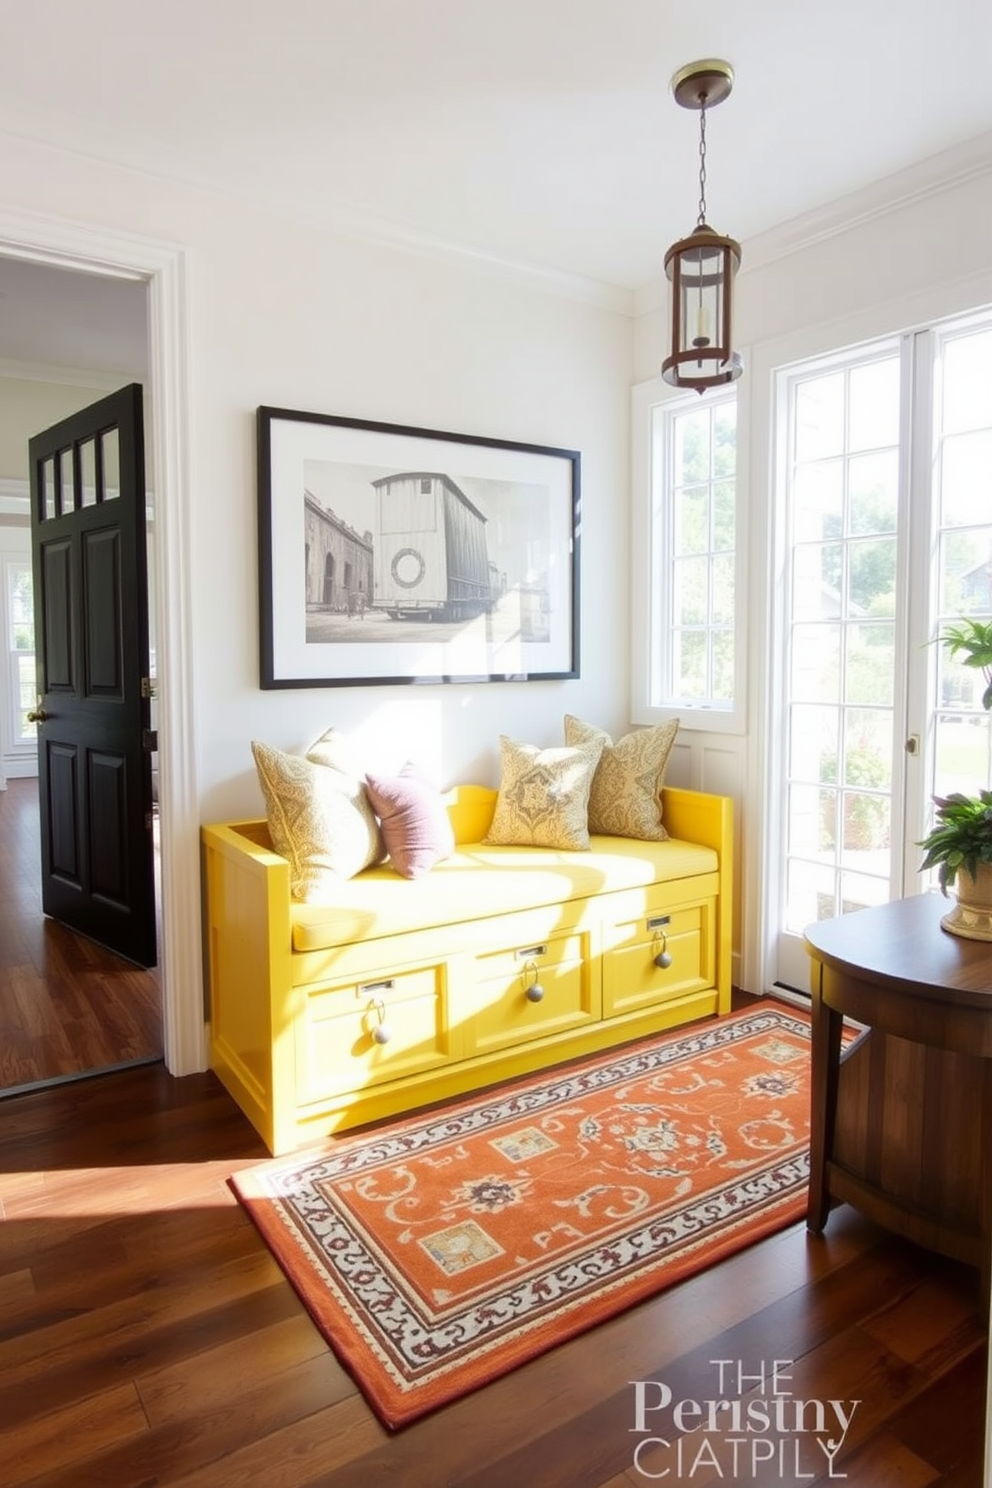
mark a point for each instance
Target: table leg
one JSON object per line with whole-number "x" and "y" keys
{"x": 826, "y": 1038}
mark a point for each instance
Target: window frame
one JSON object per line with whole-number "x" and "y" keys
{"x": 17, "y": 745}
{"x": 654, "y": 407}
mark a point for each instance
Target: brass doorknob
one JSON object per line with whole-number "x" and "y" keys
{"x": 37, "y": 715}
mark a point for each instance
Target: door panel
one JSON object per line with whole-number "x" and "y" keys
{"x": 95, "y": 777}
{"x": 886, "y": 535}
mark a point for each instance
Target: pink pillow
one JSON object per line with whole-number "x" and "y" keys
{"x": 415, "y": 826}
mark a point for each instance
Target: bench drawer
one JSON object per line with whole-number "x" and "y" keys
{"x": 531, "y": 990}
{"x": 354, "y": 1036}
{"x": 632, "y": 977}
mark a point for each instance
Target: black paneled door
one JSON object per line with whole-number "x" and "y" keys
{"x": 91, "y": 620}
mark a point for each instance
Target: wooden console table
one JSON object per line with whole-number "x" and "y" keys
{"x": 902, "y": 1118}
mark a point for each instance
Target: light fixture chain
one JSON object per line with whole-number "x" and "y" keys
{"x": 702, "y": 162}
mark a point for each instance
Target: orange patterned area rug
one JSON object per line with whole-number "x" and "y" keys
{"x": 443, "y": 1250}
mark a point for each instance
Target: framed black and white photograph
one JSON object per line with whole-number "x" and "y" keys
{"x": 390, "y": 554}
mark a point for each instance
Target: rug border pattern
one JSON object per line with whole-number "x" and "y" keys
{"x": 413, "y": 1346}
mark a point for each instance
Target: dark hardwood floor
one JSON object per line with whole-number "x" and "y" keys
{"x": 147, "y": 1337}
{"x": 67, "y": 1006}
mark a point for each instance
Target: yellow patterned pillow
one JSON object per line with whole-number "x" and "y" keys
{"x": 625, "y": 799}
{"x": 543, "y": 797}
{"x": 320, "y": 820}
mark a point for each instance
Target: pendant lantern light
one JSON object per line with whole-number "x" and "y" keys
{"x": 702, "y": 266}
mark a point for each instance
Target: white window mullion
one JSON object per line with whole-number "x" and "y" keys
{"x": 917, "y": 681}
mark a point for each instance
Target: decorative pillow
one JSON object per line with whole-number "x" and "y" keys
{"x": 543, "y": 796}
{"x": 625, "y": 799}
{"x": 416, "y": 828}
{"x": 320, "y": 819}
{"x": 342, "y": 752}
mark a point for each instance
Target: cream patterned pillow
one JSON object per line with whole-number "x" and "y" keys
{"x": 320, "y": 819}
{"x": 543, "y": 797}
{"x": 348, "y": 753}
{"x": 625, "y": 799}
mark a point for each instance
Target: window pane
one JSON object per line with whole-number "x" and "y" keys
{"x": 27, "y": 686}
{"x": 722, "y": 590}
{"x": 692, "y": 448}
{"x": 724, "y": 517}
{"x": 818, "y": 501}
{"x": 874, "y": 405}
{"x": 966, "y": 461}
{"x": 813, "y": 734}
{"x": 812, "y": 815}
{"x": 870, "y": 659}
{"x": 871, "y": 577}
{"x": 816, "y": 663}
{"x": 110, "y": 446}
{"x": 725, "y": 438}
{"x": 723, "y": 666}
{"x": 967, "y": 401}
{"x": 692, "y": 521}
{"x": 690, "y": 657}
{"x": 868, "y": 748}
{"x": 965, "y": 571}
{"x": 87, "y": 468}
{"x": 861, "y": 890}
{"x": 874, "y": 493}
{"x": 47, "y": 477}
{"x": 690, "y": 578}
{"x": 812, "y": 893}
{"x": 67, "y": 487}
{"x": 817, "y": 570}
{"x": 819, "y": 417}
{"x": 962, "y": 752}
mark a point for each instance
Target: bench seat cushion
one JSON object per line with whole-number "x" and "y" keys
{"x": 479, "y": 880}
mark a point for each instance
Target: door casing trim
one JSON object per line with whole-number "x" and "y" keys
{"x": 163, "y": 268}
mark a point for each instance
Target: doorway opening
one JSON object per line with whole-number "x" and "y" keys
{"x": 159, "y": 273}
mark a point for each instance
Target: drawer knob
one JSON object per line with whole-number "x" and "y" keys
{"x": 535, "y": 992}
{"x": 381, "y": 1033}
{"x": 663, "y": 958}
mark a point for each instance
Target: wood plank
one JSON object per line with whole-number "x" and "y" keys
{"x": 48, "y": 1445}
{"x": 67, "y": 1006}
{"x": 138, "y": 1286}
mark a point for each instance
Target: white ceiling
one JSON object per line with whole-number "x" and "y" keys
{"x": 539, "y": 133}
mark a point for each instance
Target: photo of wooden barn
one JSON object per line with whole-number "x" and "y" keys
{"x": 339, "y": 562}
{"x": 431, "y": 555}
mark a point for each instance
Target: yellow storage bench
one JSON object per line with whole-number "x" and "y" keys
{"x": 500, "y": 961}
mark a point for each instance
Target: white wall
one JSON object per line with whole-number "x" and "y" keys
{"x": 28, "y": 405}
{"x": 870, "y": 268}
{"x": 283, "y": 314}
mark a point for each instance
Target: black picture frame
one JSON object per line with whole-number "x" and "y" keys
{"x": 392, "y": 554}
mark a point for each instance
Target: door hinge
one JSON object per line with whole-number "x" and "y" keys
{"x": 149, "y": 687}
{"x": 148, "y": 821}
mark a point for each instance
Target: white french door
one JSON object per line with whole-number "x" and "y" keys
{"x": 886, "y": 511}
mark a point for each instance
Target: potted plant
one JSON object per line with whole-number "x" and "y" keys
{"x": 959, "y": 845}
{"x": 972, "y": 641}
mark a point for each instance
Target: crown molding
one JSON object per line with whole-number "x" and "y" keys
{"x": 919, "y": 182}
{"x": 925, "y": 180}
{"x": 336, "y": 218}
{"x": 85, "y": 377}
{"x": 556, "y": 282}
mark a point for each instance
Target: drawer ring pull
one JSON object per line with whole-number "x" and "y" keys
{"x": 381, "y": 1033}
{"x": 663, "y": 957}
{"x": 534, "y": 992}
